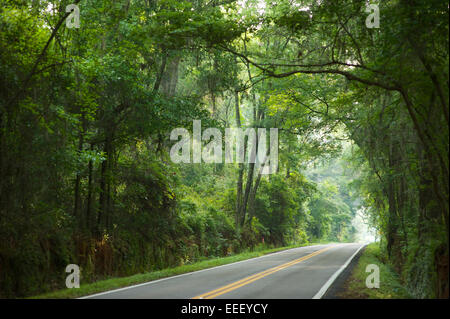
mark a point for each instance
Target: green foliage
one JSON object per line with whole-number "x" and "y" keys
{"x": 275, "y": 208}
{"x": 390, "y": 283}
{"x": 86, "y": 116}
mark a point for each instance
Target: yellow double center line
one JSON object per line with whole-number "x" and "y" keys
{"x": 252, "y": 278}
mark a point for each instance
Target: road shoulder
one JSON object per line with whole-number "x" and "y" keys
{"x": 351, "y": 284}
{"x": 339, "y": 285}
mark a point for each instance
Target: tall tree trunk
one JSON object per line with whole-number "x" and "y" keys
{"x": 241, "y": 165}
{"x": 89, "y": 194}
{"x": 170, "y": 77}
{"x": 392, "y": 218}
{"x": 103, "y": 212}
{"x": 77, "y": 195}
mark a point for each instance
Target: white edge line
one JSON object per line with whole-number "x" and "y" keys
{"x": 330, "y": 281}
{"x": 192, "y": 272}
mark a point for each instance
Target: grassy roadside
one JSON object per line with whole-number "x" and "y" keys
{"x": 355, "y": 285}
{"x": 114, "y": 283}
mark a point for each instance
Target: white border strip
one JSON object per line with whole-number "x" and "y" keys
{"x": 330, "y": 281}
{"x": 192, "y": 272}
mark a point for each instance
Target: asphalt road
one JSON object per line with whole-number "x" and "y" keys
{"x": 299, "y": 273}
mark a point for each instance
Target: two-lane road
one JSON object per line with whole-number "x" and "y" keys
{"x": 299, "y": 273}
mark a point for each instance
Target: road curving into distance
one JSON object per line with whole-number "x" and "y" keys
{"x": 298, "y": 273}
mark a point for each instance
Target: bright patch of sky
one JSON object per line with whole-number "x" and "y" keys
{"x": 50, "y": 8}
{"x": 364, "y": 234}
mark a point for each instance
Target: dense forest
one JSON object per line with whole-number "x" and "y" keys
{"x": 86, "y": 115}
